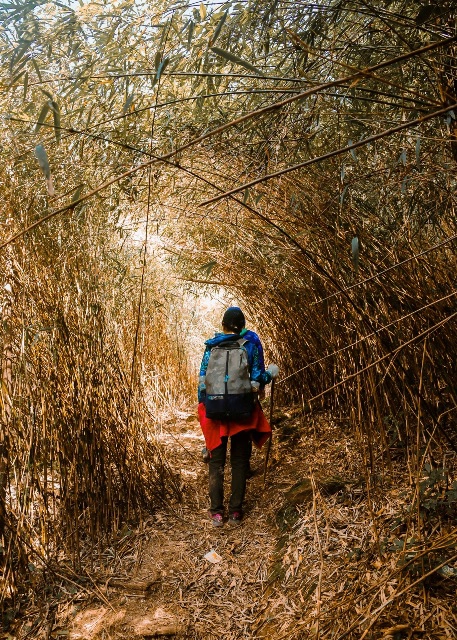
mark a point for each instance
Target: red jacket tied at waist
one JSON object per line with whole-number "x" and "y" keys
{"x": 213, "y": 430}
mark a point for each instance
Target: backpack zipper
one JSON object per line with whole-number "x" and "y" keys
{"x": 226, "y": 381}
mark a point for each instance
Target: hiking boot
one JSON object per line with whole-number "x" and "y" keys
{"x": 235, "y": 518}
{"x": 216, "y": 519}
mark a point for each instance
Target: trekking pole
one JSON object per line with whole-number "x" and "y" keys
{"x": 267, "y": 453}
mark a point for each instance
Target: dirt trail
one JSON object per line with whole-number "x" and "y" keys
{"x": 264, "y": 585}
{"x": 297, "y": 567}
{"x": 188, "y": 596}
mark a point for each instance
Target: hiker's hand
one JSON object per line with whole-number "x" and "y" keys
{"x": 273, "y": 370}
{"x": 255, "y": 386}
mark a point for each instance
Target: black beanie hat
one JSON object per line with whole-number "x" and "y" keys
{"x": 234, "y": 319}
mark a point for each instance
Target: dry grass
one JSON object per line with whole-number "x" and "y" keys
{"x": 313, "y": 558}
{"x": 367, "y": 335}
{"x": 77, "y": 458}
{"x": 358, "y": 564}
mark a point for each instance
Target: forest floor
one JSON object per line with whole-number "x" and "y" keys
{"x": 320, "y": 553}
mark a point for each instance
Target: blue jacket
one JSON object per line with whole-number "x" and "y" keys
{"x": 255, "y": 359}
{"x": 247, "y": 334}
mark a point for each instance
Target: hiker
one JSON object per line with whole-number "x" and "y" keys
{"x": 231, "y": 374}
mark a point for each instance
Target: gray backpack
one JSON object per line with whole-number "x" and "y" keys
{"x": 228, "y": 385}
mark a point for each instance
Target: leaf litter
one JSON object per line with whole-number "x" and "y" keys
{"x": 313, "y": 558}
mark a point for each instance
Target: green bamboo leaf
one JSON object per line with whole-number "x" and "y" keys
{"x": 56, "y": 116}
{"x": 20, "y": 70}
{"x": 127, "y": 104}
{"x": 191, "y": 33}
{"x": 46, "y": 93}
{"x": 202, "y": 11}
{"x": 37, "y": 69}
{"x": 42, "y": 157}
{"x": 26, "y": 84}
{"x": 218, "y": 29}
{"x": 208, "y": 267}
{"x": 236, "y": 59}
{"x": 77, "y": 193}
{"x": 16, "y": 78}
{"x": 162, "y": 66}
{"x": 163, "y": 37}
{"x": 19, "y": 52}
{"x": 353, "y": 153}
{"x": 343, "y": 194}
{"x": 42, "y": 117}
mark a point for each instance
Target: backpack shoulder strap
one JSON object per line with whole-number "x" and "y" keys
{"x": 240, "y": 342}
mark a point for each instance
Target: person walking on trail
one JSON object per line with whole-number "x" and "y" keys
{"x": 232, "y": 373}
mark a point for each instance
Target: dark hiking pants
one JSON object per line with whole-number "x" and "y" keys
{"x": 240, "y": 452}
